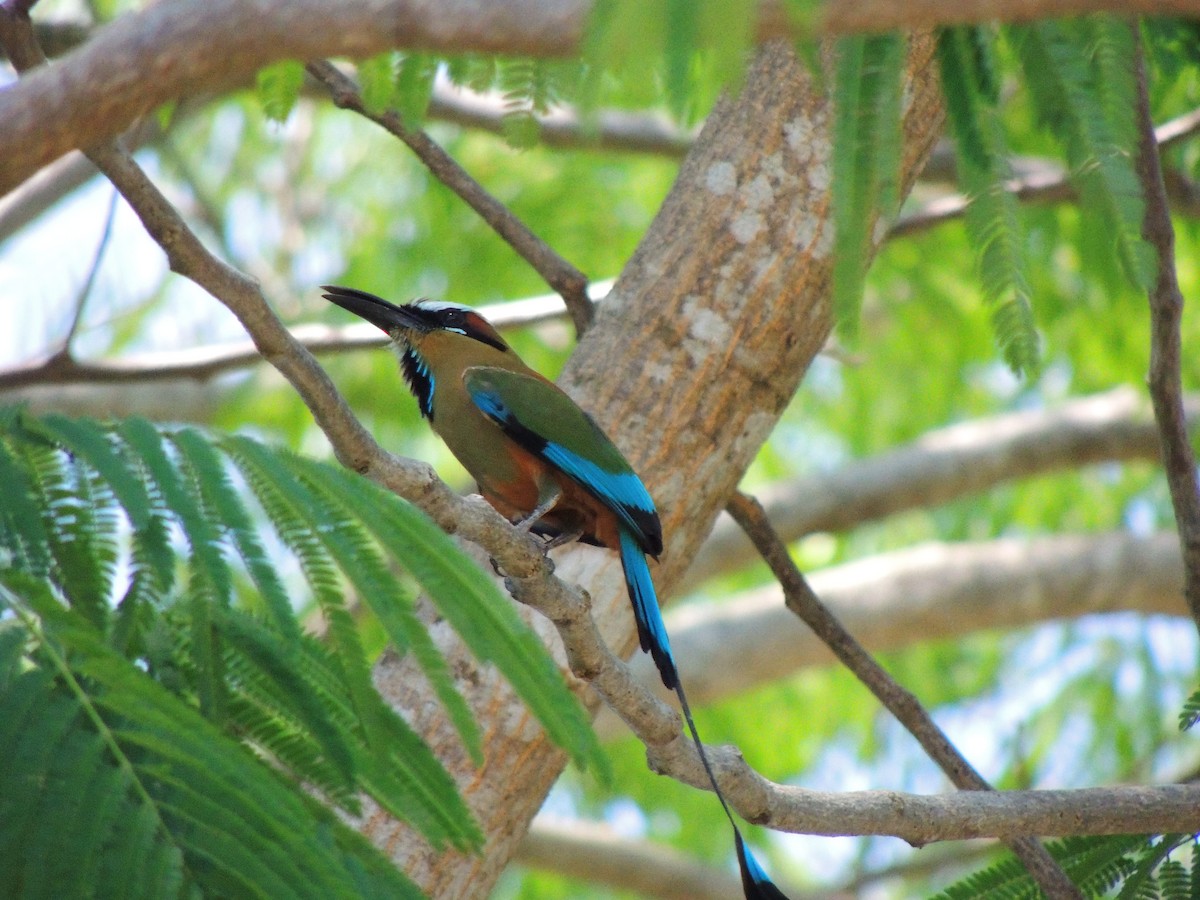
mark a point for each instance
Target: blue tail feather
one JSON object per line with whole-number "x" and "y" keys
{"x": 652, "y": 633}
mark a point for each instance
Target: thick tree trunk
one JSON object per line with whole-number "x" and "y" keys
{"x": 689, "y": 364}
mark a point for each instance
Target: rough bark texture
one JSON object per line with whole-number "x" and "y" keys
{"x": 688, "y": 366}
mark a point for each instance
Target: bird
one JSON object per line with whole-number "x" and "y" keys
{"x": 543, "y": 463}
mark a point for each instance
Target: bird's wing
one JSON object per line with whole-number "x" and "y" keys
{"x": 544, "y": 421}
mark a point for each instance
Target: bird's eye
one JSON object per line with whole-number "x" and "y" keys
{"x": 454, "y": 317}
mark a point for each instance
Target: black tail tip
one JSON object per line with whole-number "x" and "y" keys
{"x": 666, "y": 669}
{"x": 755, "y": 883}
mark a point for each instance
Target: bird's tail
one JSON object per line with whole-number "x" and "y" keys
{"x": 755, "y": 883}
{"x": 652, "y": 635}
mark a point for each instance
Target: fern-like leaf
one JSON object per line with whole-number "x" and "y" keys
{"x": 1190, "y": 714}
{"x": 968, "y": 83}
{"x": 210, "y": 569}
{"x": 23, "y": 534}
{"x": 1094, "y": 864}
{"x": 210, "y": 585}
{"x": 287, "y": 506}
{"x": 239, "y": 829}
{"x": 482, "y": 616}
{"x": 414, "y": 87}
{"x": 377, "y": 81}
{"x": 1173, "y": 881}
{"x": 532, "y": 87}
{"x": 381, "y": 591}
{"x": 867, "y": 82}
{"x": 419, "y": 790}
{"x": 88, "y": 441}
{"x": 276, "y": 659}
{"x": 208, "y": 472}
{"x": 478, "y": 73}
{"x": 1080, "y": 74}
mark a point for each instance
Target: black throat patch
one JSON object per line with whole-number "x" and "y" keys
{"x": 420, "y": 380}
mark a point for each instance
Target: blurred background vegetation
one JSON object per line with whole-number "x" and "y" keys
{"x": 324, "y": 195}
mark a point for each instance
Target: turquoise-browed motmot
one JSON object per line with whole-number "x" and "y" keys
{"x": 539, "y": 459}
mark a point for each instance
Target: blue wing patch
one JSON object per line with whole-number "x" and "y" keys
{"x": 491, "y": 405}
{"x": 622, "y": 492}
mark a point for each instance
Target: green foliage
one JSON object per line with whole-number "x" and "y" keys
{"x": 1095, "y": 865}
{"x": 1080, "y": 77}
{"x": 923, "y": 360}
{"x": 531, "y": 87}
{"x": 1190, "y": 714}
{"x": 377, "y": 81}
{"x": 114, "y": 786}
{"x": 673, "y": 51}
{"x": 414, "y": 87}
{"x": 970, "y": 84}
{"x": 1128, "y": 867}
{"x": 279, "y": 87}
{"x": 476, "y": 610}
{"x": 867, "y": 84}
{"x": 161, "y": 695}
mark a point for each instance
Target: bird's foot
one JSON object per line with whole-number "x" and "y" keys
{"x": 532, "y": 519}
{"x": 561, "y": 539}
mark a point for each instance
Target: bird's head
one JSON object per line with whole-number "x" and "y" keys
{"x": 433, "y": 338}
{"x": 414, "y": 323}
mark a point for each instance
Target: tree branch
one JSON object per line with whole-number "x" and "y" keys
{"x": 25, "y": 204}
{"x": 943, "y": 465}
{"x": 609, "y": 130}
{"x": 927, "y": 593}
{"x": 612, "y": 130}
{"x": 1051, "y": 184}
{"x": 86, "y": 289}
{"x": 529, "y": 571}
{"x": 1166, "y": 310}
{"x": 20, "y": 207}
{"x": 800, "y": 598}
{"x": 594, "y": 852}
{"x": 166, "y": 50}
{"x": 1007, "y": 815}
{"x": 1047, "y": 184}
{"x": 559, "y": 274}
{"x": 206, "y": 362}
{"x": 689, "y": 364}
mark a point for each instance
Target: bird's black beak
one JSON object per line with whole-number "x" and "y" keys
{"x": 384, "y": 315}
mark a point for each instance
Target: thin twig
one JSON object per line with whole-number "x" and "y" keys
{"x": 86, "y": 290}
{"x": 208, "y": 361}
{"x": 609, "y": 130}
{"x": 1050, "y": 185}
{"x": 800, "y": 598}
{"x": 559, "y": 274}
{"x": 1166, "y": 310}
